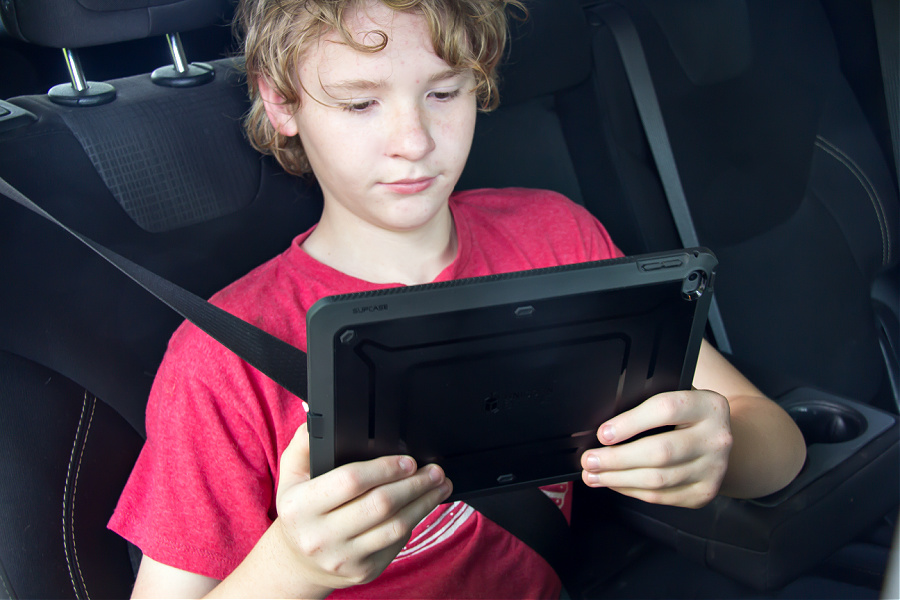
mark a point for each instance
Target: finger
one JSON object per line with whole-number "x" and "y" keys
{"x": 346, "y": 483}
{"x": 382, "y": 504}
{"x": 393, "y": 533}
{"x": 660, "y": 450}
{"x": 294, "y": 466}
{"x": 381, "y": 544}
{"x": 644, "y": 479}
{"x": 669, "y": 408}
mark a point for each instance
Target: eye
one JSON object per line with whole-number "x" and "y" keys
{"x": 444, "y": 96}
{"x": 360, "y": 106}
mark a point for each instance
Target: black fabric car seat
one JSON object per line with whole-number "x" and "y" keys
{"x": 784, "y": 177}
{"x": 162, "y": 175}
{"x": 788, "y": 184}
{"x": 79, "y": 343}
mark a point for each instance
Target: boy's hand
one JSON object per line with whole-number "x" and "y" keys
{"x": 347, "y": 525}
{"x": 681, "y": 467}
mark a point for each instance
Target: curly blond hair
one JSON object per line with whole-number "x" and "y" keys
{"x": 466, "y": 34}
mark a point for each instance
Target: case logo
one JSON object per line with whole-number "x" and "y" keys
{"x": 369, "y": 309}
{"x": 528, "y": 398}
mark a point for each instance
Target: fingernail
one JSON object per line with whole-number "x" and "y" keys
{"x": 445, "y": 489}
{"x": 593, "y": 479}
{"x": 608, "y": 432}
{"x": 407, "y": 464}
{"x": 592, "y": 462}
{"x": 435, "y": 474}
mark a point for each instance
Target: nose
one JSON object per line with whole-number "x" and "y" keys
{"x": 410, "y": 135}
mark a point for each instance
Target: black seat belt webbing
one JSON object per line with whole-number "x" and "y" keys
{"x": 528, "y": 513}
{"x": 539, "y": 524}
{"x": 638, "y": 74}
{"x": 886, "y": 14}
{"x": 284, "y": 363}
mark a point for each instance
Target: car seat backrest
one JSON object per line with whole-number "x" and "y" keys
{"x": 160, "y": 175}
{"x": 784, "y": 178}
{"x": 522, "y": 144}
{"x": 163, "y": 176}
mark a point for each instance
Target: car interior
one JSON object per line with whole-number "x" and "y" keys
{"x": 123, "y": 120}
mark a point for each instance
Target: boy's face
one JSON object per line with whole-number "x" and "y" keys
{"x": 387, "y": 133}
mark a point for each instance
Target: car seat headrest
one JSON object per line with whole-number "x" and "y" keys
{"x": 81, "y": 23}
{"x": 710, "y": 38}
{"x": 548, "y": 51}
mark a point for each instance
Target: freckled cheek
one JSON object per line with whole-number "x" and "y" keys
{"x": 451, "y": 129}
{"x": 456, "y": 134}
{"x": 351, "y": 147}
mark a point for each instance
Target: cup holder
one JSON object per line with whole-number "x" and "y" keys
{"x": 834, "y": 429}
{"x": 823, "y": 422}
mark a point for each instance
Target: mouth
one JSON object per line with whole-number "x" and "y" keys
{"x": 409, "y": 186}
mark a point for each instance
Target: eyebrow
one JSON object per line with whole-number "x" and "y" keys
{"x": 362, "y": 85}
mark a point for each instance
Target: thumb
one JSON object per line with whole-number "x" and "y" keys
{"x": 294, "y": 466}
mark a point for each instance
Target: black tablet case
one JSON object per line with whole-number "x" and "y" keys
{"x": 502, "y": 380}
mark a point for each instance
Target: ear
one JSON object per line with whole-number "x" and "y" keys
{"x": 280, "y": 114}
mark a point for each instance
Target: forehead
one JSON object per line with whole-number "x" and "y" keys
{"x": 405, "y": 35}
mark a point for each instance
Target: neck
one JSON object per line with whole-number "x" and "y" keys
{"x": 378, "y": 255}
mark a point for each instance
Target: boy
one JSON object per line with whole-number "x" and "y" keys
{"x": 378, "y": 100}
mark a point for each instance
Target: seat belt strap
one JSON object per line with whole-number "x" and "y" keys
{"x": 886, "y": 14}
{"x": 528, "y": 514}
{"x": 284, "y": 363}
{"x": 638, "y": 73}
{"x": 535, "y": 520}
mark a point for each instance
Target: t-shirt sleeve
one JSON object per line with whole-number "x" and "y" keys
{"x": 201, "y": 493}
{"x": 592, "y": 237}
{"x": 514, "y": 229}
{"x": 548, "y": 227}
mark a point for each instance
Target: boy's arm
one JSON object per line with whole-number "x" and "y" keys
{"x": 156, "y": 580}
{"x": 335, "y": 531}
{"x": 732, "y": 440}
{"x": 768, "y": 449}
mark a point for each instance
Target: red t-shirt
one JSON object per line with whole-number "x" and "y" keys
{"x": 203, "y": 490}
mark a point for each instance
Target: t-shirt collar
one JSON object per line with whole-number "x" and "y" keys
{"x": 318, "y": 270}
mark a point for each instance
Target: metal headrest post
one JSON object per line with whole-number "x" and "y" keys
{"x": 181, "y": 73}
{"x": 80, "y": 92}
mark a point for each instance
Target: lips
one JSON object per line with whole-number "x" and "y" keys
{"x": 409, "y": 186}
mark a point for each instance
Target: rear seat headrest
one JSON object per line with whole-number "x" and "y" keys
{"x": 81, "y": 23}
{"x": 547, "y": 52}
{"x": 710, "y": 38}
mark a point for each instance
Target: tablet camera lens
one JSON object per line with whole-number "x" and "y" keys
{"x": 694, "y": 285}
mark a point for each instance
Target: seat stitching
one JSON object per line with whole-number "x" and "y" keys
{"x": 72, "y": 554}
{"x": 65, "y": 525}
{"x": 87, "y": 432}
{"x": 869, "y": 189}
{"x": 877, "y": 204}
{"x": 84, "y": 440}
{"x": 6, "y": 589}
